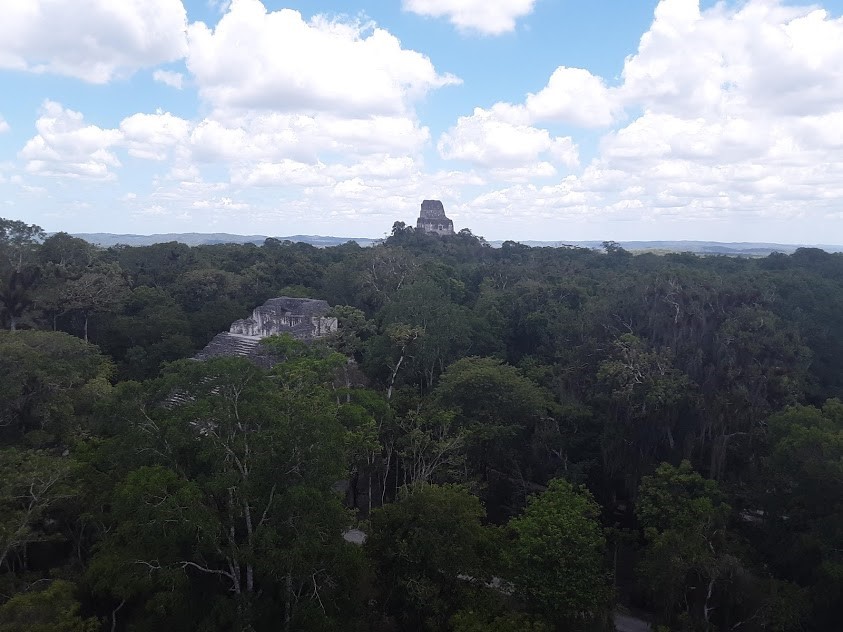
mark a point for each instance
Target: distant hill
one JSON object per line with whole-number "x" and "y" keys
{"x": 697, "y": 247}
{"x": 203, "y": 239}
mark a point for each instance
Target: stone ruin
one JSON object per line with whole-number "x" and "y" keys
{"x": 303, "y": 318}
{"x": 432, "y": 219}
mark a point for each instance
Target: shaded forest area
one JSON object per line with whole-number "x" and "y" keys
{"x": 531, "y": 439}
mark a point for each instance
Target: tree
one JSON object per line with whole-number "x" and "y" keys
{"x": 431, "y": 445}
{"x": 16, "y": 294}
{"x": 428, "y": 553}
{"x": 499, "y": 411}
{"x": 18, "y": 273}
{"x": 54, "y": 609}
{"x": 234, "y": 492}
{"x": 48, "y": 384}
{"x": 444, "y": 326}
{"x": 474, "y": 620}
{"x": 99, "y": 288}
{"x": 686, "y": 560}
{"x": 646, "y": 396}
{"x": 66, "y": 252}
{"x": 401, "y": 337}
{"x": 18, "y": 244}
{"x": 353, "y": 328}
{"x": 150, "y": 329}
{"x": 801, "y": 502}
{"x": 556, "y": 559}
{"x": 31, "y": 482}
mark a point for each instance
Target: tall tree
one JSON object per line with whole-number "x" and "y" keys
{"x": 236, "y": 491}
{"x": 428, "y": 550}
{"x": 18, "y": 270}
{"x": 556, "y": 559}
{"x": 99, "y": 288}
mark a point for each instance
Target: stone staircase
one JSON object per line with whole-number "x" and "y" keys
{"x": 303, "y": 318}
{"x": 230, "y": 345}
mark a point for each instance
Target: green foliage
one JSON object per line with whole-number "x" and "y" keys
{"x": 556, "y": 559}
{"x": 474, "y": 621}
{"x": 687, "y": 556}
{"x": 48, "y": 382}
{"x": 18, "y": 244}
{"x": 427, "y": 550}
{"x": 232, "y": 488}
{"x": 32, "y": 482}
{"x": 352, "y": 331}
{"x": 54, "y": 609}
{"x": 500, "y": 412}
{"x": 803, "y": 502}
{"x": 499, "y": 369}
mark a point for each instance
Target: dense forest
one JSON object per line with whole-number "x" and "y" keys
{"x": 531, "y": 439}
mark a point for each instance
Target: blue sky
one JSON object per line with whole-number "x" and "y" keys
{"x": 530, "y": 119}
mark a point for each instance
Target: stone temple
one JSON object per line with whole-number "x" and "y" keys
{"x": 432, "y": 219}
{"x": 303, "y": 318}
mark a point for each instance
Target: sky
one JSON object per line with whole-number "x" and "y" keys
{"x": 530, "y": 119}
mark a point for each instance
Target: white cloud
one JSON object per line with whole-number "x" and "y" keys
{"x": 92, "y": 40}
{"x": 320, "y": 110}
{"x": 66, "y": 146}
{"x": 221, "y": 204}
{"x": 574, "y": 95}
{"x": 153, "y": 136}
{"x": 269, "y": 137}
{"x": 283, "y": 173}
{"x": 489, "y": 17}
{"x": 309, "y": 103}
{"x": 291, "y": 65}
{"x": 741, "y": 107}
{"x": 739, "y": 112}
{"x": 720, "y": 114}
{"x": 501, "y": 138}
{"x": 4, "y": 126}
{"x": 169, "y": 78}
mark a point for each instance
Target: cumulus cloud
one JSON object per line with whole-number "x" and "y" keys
{"x": 293, "y": 65}
{"x": 153, "y": 136}
{"x": 4, "y": 126}
{"x": 66, "y": 146}
{"x": 574, "y": 95}
{"x": 309, "y": 103}
{"x": 268, "y": 137}
{"x": 740, "y": 106}
{"x": 169, "y": 78}
{"x": 501, "y": 138}
{"x": 737, "y": 110}
{"x": 92, "y": 40}
{"x": 729, "y": 112}
{"x": 283, "y": 173}
{"x": 489, "y": 17}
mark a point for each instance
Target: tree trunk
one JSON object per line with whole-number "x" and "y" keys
{"x": 369, "y": 497}
{"x": 114, "y": 615}
{"x": 13, "y": 322}
{"x": 250, "y": 571}
{"x": 288, "y": 605}
{"x": 86, "y": 327}
{"x": 394, "y": 375}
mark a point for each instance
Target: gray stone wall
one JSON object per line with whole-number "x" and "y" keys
{"x": 303, "y": 318}
{"x": 432, "y": 219}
